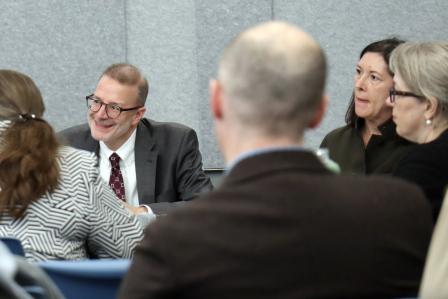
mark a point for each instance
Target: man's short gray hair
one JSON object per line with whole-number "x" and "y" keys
{"x": 273, "y": 76}
{"x": 129, "y": 74}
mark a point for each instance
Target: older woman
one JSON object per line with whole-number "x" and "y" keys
{"x": 51, "y": 197}
{"x": 368, "y": 143}
{"x": 420, "y": 110}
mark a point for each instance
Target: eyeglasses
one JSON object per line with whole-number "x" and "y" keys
{"x": 393, "y": 93}
{"x": 112, "y": 110}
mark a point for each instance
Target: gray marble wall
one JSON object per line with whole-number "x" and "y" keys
{"x": 65, "y": 45}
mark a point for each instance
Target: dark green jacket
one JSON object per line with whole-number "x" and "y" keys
{"x": 381, "y": 155}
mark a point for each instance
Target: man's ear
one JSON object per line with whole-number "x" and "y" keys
{"x": 138, "y": 115}
{"x": 215, "y": 99}
{"x": 319, "y": 113}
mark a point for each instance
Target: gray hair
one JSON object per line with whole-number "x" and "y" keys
{"x": 274, "y": 77}
{"x": 129, "y": 74}
{"x": 423, "y": 66}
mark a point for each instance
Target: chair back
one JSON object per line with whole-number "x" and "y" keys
{"x": 14, "y": 245}
{"x": 87, "y": 279}
{"x": 20, "y": 279}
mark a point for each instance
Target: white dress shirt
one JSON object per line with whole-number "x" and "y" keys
{"x": 127, "y": 167}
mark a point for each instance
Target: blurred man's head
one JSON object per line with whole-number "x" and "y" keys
{"x": 270, "y": 85}
{"x": 117, "y": 105}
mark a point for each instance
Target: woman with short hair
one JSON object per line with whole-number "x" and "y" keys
{"x": 420, "y": 110}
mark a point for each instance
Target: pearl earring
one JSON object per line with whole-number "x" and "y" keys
{"x": 428, "y": 122}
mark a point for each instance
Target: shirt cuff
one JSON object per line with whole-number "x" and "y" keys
{"x": 146, "y": 218}
{"x": 148, "y": 210}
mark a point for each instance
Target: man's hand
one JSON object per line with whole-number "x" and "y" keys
{"x": 136, "y": 210}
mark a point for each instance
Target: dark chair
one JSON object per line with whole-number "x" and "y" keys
{"x": 14, "y": 245}
{"x": 20, "y": 279}
{"x": 87, "y": 279}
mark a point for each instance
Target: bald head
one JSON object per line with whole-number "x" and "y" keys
{"x": 273, "y": 77}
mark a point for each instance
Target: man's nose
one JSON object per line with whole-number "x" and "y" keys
{"x": 102, "y": 112}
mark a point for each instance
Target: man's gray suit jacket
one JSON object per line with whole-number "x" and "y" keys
{"x": 168, "y": 163}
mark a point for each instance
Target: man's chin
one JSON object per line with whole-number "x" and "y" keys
{"x": 97, "y": 137}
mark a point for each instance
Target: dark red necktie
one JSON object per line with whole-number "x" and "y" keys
{"x": 116, "y": 179}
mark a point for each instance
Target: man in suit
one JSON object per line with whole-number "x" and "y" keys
{"x": 281, "y": 225}
{"x": 159, "y": 164}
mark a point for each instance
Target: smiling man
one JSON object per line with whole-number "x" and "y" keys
{"x": 150, "y": 165}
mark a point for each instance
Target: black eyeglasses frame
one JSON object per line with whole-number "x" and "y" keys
{"x": 92, "y": 97}
{"x": 393, "y": 93}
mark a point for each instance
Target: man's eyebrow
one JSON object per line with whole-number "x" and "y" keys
{"x": 98, "y": 98}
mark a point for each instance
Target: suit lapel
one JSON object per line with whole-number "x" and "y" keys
{"x": 88, "y": 143}
{"x": 95, "y": 148}
{"x": 145, "y": 164}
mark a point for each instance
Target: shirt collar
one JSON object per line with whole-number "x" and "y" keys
{"x": 125, "y": 151}
{"x": 387, "y": 129}
{"x": 260, "y": 151}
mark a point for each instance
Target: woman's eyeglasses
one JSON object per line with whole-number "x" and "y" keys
{"x": 394, "y": 93}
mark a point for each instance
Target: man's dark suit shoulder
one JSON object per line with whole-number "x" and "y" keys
{"x": 170, "y": 131}
{"x": 298, "y": 229}
{"x": 377, "y": 196}
{"x": 78, "y": 136}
